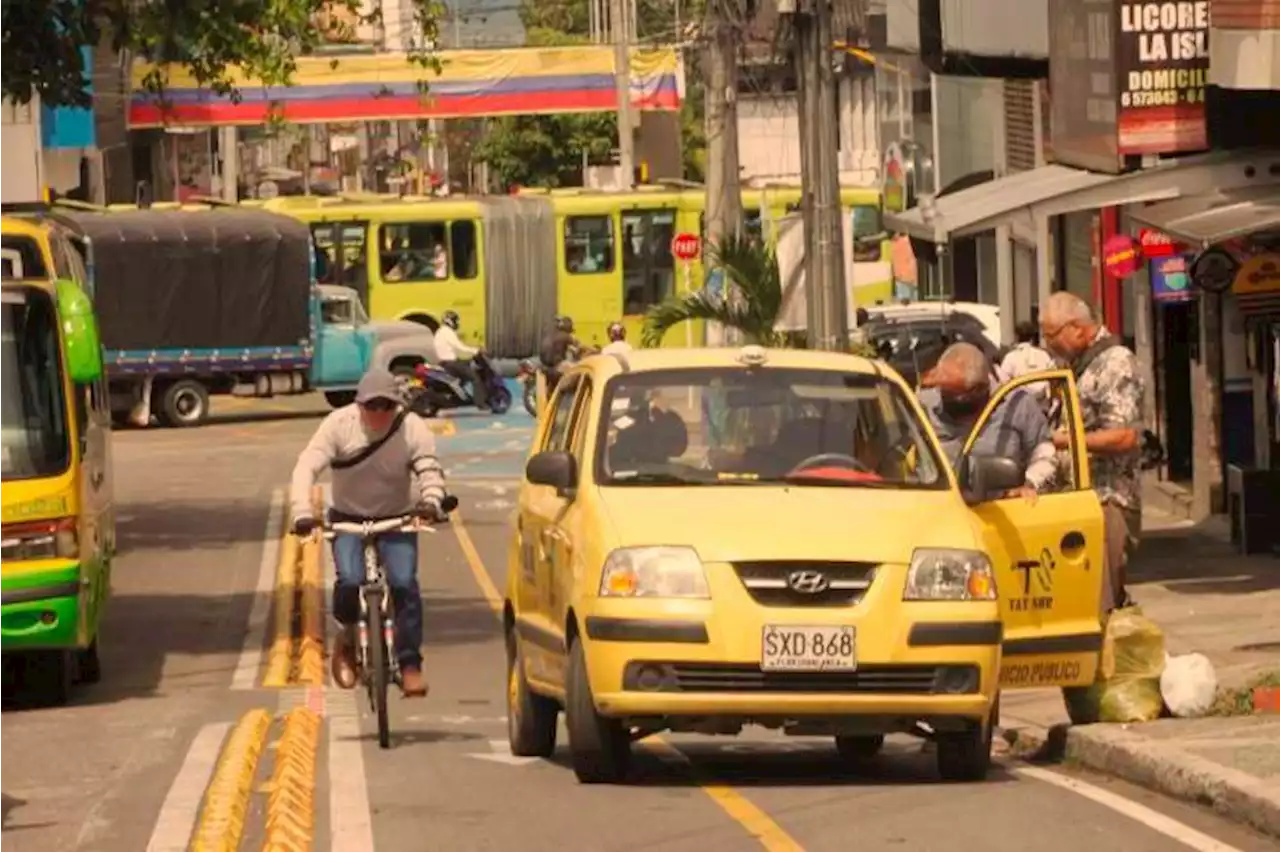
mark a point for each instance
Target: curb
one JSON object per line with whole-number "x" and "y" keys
{"x": 1115, "y": 752}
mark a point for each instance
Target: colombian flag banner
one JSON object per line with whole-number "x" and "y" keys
{"x": 384, "y": 87}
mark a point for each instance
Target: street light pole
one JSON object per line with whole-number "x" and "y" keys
{"x": 622, "y": 78}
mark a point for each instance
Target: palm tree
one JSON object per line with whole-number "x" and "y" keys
{"x": 751, "y": 300}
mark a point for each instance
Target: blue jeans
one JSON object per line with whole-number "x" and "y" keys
{"x": 399, "y": 555}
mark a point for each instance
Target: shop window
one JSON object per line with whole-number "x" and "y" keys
{"x": 415, "y": 252}
{"x": 588, "y": 244}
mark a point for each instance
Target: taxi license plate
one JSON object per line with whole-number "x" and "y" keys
{"x": 792, "y": 648}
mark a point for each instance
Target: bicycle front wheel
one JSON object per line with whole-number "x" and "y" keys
{"x": 379, "y": 671}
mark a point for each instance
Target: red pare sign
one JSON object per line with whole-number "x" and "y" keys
{"x": 686, "y": 246}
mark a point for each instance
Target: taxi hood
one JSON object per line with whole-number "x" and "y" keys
{"x": 725, "y": 523}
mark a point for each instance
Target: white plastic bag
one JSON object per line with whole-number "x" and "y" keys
{"x": 1188, "y": 685}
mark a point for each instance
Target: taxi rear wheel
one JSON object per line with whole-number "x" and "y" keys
{"x": 600, "y": 748}
{"x": 531, "y": 718}
{"x": 859, "y": 749}
{"x": 966, "y": 755}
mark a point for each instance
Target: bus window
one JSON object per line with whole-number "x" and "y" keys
{"x": 462, "y": 242}
{"x": 339, "y": 250}
{"x": 752, "y": 224}
{"x": 37, "y": 436}
{"x": 868, "y": 233}
{"x": 415, "y": 251}
{"x": 648, "y": 269}
{"x": 588, "y": 244}
{"x": 30, "y": 263}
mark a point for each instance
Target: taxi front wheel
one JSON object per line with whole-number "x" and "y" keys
{"x": 966, "y": 755}
{"x": 531, "y": 718}
{"x": 600, "y": 748}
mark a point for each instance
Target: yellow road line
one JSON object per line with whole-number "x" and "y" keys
{"x": 739, "y": 808}
{"x": 280, "y": 657}
{"x": 226, "y": 802}
{"x": 291, "y": 813}
{"x": 476, "y": 564}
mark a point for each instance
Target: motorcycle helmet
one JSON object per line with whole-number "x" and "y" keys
{"x": 451, "y": 319}
{"x": 617, "y": 331}
{"x": 564, "y": 323}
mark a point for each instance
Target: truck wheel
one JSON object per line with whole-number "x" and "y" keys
{"x": 186, "y": 403}
{"x": 600, "y": 748}
{"x": 339, "y": 399}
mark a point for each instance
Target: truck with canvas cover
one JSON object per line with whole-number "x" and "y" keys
{"x": 194, "y": 303}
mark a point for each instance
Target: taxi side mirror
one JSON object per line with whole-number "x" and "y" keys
{"x": 555, "y": 468}
{"x": 990, "y": 478}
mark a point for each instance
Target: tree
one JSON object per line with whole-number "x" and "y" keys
{"x": 751, "y": 273}
{"x": 210, "y": 38}
{"x": 549, "y": 150}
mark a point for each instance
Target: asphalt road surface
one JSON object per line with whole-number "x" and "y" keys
{"x": 128, "y": 765}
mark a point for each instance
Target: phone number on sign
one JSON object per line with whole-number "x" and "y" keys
{"x": 1170, "y": 97}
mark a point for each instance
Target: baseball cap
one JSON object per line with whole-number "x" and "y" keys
{"x": 377, "y": 384}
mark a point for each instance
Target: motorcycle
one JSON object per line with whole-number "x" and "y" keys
{"x": 528, "y": 376}
{"x": 433, "y": 389}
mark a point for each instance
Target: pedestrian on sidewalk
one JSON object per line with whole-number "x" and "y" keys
{"x": 1111, "y": 393}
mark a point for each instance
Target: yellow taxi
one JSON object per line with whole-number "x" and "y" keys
{"x": 711, "y": 538}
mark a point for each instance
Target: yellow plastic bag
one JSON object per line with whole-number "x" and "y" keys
{"x": 1128, "y": 684}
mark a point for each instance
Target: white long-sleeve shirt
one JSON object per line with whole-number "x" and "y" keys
{"x": 616, "y": 347}
{"x": 401, "y": 475}
{"x": 449, "y": 346}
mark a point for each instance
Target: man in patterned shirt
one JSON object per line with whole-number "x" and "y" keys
{"x": 1111, "y": 400}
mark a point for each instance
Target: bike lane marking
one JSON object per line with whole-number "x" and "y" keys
{"x": 739, "y": 808}
{"x": 246, "y": 673}
{"x": 177, "y": 818}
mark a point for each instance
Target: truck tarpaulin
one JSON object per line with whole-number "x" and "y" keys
{"x": 187, "y": 279}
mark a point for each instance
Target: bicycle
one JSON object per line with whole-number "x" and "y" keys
{"x": 376, "y": 660}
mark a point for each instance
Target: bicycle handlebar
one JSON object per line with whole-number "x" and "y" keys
{"x": 378, "y": 526}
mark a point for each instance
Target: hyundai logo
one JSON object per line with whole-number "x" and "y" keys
{"x": 808, "y": 582}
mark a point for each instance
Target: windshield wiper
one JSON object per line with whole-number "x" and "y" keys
{"x": 636, "y": 477}
{"x": 807, "y": 478}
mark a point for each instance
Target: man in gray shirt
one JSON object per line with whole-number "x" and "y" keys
{"x": 401, "y": 476}
{"x": 956, "y": 392}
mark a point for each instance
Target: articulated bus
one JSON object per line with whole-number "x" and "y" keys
{"x": 508, "y": 264}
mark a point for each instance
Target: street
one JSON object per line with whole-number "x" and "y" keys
{"x": 127, "y": 764}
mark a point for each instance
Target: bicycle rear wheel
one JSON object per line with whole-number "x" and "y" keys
{"x": 379, "y": 671}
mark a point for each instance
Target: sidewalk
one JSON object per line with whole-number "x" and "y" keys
{"x": 1209, "y": 600}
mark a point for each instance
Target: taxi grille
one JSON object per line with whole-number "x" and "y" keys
{"x": 740, "y": 677}
{"x": 769, "y": 583}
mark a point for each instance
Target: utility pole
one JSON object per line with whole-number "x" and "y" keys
{"x": 622, "y": 77}
{"x": 724, "y": 187}
{"x": 825, "y": 289}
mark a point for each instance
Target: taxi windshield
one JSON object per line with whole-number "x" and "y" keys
{"x": 730, "y": 426}
{"x": 36, "y": 434}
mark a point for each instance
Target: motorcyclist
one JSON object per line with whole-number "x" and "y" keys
{"x": 448, "y": 347}
{"x": 376, "y": 454}
{"x": 617, "y": 344}
{"x": 558, "y": 346}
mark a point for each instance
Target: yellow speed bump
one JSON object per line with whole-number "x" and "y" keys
{"x": 226, "y": 802}
{"x": 280, "y": 657}
{"x": 310, "y": 670}
{"x": 291, "y": 791}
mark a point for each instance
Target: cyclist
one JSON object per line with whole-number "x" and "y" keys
{"x": 448, "y": 349}
{"x": 617, "y": 340}
{"x": 379, "y": 457}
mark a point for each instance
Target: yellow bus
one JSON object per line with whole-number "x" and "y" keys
{"x": 56, "y": 511}
{"x": 487, "y": 258}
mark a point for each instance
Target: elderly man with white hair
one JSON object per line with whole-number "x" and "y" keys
{"x": 1111, "y": 393}
{"x": 959, "y": 388}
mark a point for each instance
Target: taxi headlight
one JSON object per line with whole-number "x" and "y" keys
{"x": 949, "y": 575}
{"x": 654, "y": 572}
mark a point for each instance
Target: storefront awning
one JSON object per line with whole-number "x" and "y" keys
{"x": 1203, "y": 220}
{"x": 982, "y": 207}
{"x": 1020, "y": 199}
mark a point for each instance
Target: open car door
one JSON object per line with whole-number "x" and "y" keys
{"x": 1047, "y": 555}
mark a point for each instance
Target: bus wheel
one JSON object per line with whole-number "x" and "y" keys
{"x": 50, "y": 676}
{"x": 186, "y": 403}
{"x": 89, "y": 665}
